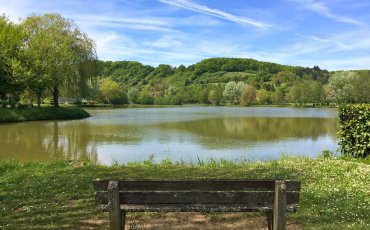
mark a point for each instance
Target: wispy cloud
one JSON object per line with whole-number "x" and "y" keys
{"x": 138, "y": 23}
{"x": 321, "y": 9}
{"x": 216, "y": 13}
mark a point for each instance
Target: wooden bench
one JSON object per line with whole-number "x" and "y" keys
{"x": 274, "y": 197}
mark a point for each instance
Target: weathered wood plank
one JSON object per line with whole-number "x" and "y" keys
{"x": 115, "y": 214}
{"x": 280, "y": 201}
{"x": 251, "y": 198}
{"x": 193, "y": 208}
{"x": 189, "y": 185}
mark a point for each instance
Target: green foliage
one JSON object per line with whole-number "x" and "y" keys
{"x": 133, "y": 95}
{"x": 11, "y": 37}
{"x": 355, "y": 130}
{"x": 215, "y": 95}
{"x": 263, "y": 96}
{"x": 248, "y": 96}
{"x": 120, "y": 98}
{"x": 278, "y": 97}
{"x": 306, "y": 91}
{"x": 43, "y": 113}
{"x": 361, "y": 85}
{"x": 340, "y": 88}
{"x": 146, "y": 98}
{"x": 112, "y": 93}
{"x": 233, "y": 92}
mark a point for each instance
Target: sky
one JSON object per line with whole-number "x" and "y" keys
{"x": 331, "y": 34}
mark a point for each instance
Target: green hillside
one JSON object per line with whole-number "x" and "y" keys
{"x": 205, "y": 82}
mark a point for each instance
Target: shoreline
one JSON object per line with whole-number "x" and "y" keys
{"x": 8, "y": 115}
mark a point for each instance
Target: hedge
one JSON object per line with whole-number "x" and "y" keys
{"x": 355, "y": 130}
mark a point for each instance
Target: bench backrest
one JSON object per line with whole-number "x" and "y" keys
{"x": 253, "y": 193}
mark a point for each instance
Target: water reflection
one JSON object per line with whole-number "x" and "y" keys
{"x": 186, "y": 134}
{"x": 227, "y": 132}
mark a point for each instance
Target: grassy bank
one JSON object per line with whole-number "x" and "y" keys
{"x": 59, "y": 195}
{"x": 43, "y": 113}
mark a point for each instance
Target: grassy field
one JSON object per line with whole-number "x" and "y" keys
{"x": 335, "y": 192}
{"x": 43, "y": 113}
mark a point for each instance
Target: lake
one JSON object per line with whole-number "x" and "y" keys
{"x": 184, "y": 133}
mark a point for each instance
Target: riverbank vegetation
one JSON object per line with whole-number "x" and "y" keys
{"x": 355, "y": 130}
{"x": 43, "y": 113}
{"x": 49, "y": 59}
{"x": 334, "y": 193}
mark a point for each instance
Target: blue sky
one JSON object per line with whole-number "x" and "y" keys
{"x": 333, "y": 34}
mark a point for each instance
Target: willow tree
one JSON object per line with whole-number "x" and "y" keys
{"x": 10, "y": 45}
{"x": 60, "y": 57}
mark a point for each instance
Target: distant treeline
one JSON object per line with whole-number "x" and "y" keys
{"x": 227, "y": 81}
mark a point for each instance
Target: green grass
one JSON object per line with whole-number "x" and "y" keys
{"x": 59, "y": 195}
{"x": 43, "y": 113}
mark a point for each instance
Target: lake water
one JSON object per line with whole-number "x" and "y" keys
{"x": 186, "y": 133}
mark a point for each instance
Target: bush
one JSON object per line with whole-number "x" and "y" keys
{"x": 355, "y": 130}
{"x": 146, "y": 99}
{"x": 120, "y": 98}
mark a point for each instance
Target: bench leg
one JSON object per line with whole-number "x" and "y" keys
{"x": 279, "y": 206}
{"x": 115, "y": 214}
{"x": 123, "y": 220}
{"x": 269, "y": 217}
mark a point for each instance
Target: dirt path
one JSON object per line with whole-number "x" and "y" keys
{"x": 184, "y": 221}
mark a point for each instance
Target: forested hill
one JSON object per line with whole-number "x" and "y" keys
{"x": 229, "y": 81}
{"x": 213, "y": 70}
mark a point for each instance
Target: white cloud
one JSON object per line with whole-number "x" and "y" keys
{"x": 216, "y": 13}
{"x": 166, "y": 41}
{"x": 321, "y": 9}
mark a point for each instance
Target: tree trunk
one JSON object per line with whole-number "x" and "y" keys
{"x": 56, "y": 96}
{"x": 39, "y": 100}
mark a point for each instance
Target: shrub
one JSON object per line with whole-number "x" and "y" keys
{"x": 120, "y": 98}
{"x": 355, "y": 130}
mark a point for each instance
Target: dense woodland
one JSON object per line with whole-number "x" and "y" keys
{"x": 47, "y": 59}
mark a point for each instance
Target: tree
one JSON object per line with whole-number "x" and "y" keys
{"x": 278, "y": 96}
{"x": 233, "y": 92}
{"x": 215, "y": 96}
{"x": 11, "y": 37}
{"x": 146, "y": 98}
{"x": 263, "y": 96}
{"x": 133, "y": 95}
{"x": 361, "y": 85}
{"x": 109, "y": 89}
{"x": 59, "y": 55}
{"x": 5, "y": 76}
{"x": 204, "y": 95}
{"x": 340, "y": 88}
{"x": 283, "y": 77}
{"x": 248, "y": 96}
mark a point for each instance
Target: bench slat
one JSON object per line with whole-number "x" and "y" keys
{"x": 189, "y": 185}
{"x": 250, "y": 198}
{"x": 193, "y": 208}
